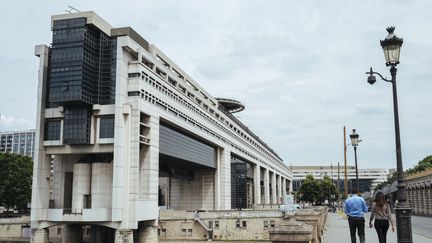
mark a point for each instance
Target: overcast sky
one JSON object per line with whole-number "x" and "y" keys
{"x": 298, "y": 66}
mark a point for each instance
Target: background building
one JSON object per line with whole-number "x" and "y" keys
{"x": 126, "y": 131}
{"x": 368, "y": 178}
{"x": 18, "y": 142}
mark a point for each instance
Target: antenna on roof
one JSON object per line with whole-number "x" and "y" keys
{"x": 72, "y": 9}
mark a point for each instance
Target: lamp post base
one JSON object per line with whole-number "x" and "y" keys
{"x": 403, "y": 224}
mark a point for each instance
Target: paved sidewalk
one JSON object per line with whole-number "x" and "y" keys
{"x": 337, "y": 230}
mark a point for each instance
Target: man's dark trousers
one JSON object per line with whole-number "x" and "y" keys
{"x": 357, "y": 224}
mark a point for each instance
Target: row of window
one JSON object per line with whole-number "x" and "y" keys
{"x": 163, "y": 89}
{"x": 53, "y": 131}
{"x": 205, "y": 106}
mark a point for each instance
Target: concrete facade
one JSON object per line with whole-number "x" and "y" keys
{"x": 18, "y": 142}
{"x": 118, "y": 183}
{"x": 419, "y": 190}
{"x": 368, "y": 177}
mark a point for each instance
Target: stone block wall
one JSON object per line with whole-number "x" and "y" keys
{"x": 246, "y": 225}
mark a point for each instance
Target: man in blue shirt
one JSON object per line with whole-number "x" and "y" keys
{"x": 355, "y": 208}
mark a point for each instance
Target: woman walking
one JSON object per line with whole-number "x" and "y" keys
{"x": 382, "y": 214}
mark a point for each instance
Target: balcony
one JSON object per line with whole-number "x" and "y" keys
{"x": 82, "y": 215}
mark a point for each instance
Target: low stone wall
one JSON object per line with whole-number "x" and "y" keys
{"x": 15, "y": 228}
{"x": 316, "y": 217}
{"x": 245, "y": 225}
{"x": 292, "y": 231}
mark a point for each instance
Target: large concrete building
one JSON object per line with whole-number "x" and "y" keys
{"x": 126, "y": 131}
{"x": 368, "y": 178}
{"x": 18, "y": 142}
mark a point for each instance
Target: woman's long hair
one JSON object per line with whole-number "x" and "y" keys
{"x": 380, "y": 200}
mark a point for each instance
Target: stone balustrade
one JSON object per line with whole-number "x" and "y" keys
{"x": 292, "y": 231}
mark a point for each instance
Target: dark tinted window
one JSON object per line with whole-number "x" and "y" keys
{"x": 52, "y": 130}
{"x": 77, "y": 125}
{"x": 106, "y": 127}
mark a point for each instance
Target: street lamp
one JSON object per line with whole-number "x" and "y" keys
{"x": 354, "y": 142}
{"x": 391, "y": 46}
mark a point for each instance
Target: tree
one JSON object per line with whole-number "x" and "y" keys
{"x": 309, "y": 190}
{"x": 15, "y": 180}
{"x": 327, "y": 189}
{"x": 422, "y": 165}
{"x": 316, "y": 191}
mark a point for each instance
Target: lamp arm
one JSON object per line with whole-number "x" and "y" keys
{"x": 384, "y": 79}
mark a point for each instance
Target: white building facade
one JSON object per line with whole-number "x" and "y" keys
{"x": 368, "y": 177}
{"x": 126, "y": 131}
{"x": 18, "y": 142}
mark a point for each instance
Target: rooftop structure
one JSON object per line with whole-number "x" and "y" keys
{"x": 231, "y": 105}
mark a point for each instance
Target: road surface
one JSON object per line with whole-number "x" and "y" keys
{"x": 337, "y": 230}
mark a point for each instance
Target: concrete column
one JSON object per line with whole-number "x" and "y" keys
{"x": 123, "y": 236}
{"x": 279, "y": 189}
{"x": 150, "y": 168}
{"x": 284, "y": 189}
{"x": 424, "y": 200}
{"x": 101, "y": 185}
{"x": 81, "y": 185}
{"x": 290, "y": 186}
{"x": 267, "y": 186}
{"x": 147, "y": 232}
{"x": 274, "y": 196}
{"x": 40, "y": 236}
{"x": 72, "y": 234}
{"x": 415, "y": 206}
{"x": 257, "y": 184}
{"x": 223, "y": 173}
{"x": 409, "y": 195}
{"x": 429, "y": 200}
{"x": 41, "y": 167}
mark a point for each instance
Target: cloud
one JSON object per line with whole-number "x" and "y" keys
{"x": 298, "y": 66}
{"x": 371, "y": 108}
{"x": 10, "y": 122}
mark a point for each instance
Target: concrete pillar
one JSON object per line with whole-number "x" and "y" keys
{"x": 424, "y": 199}
{"x": 416, "y": 201}
{"x": 72, "y": 234}
{"x": 223, "y": 180}
{"x": 81, "y": 185}
{"x": 123, "y": 236}
{"x": 284, "y": 189}
{"x": 267, "y": 186}
{"x": 40, "y": 236}
{"x": 257, "y": 184}
{"x": 279, "y": 189}
{"x": 409, "y": 195}
{"x": 147, "y": 232}
{"x": 274, "y": 196}
{"x": 290, "y": 186}
{"x": 429, "y": 200}
{"x": 101, "y": 185}
{"x": 42, "y": 165}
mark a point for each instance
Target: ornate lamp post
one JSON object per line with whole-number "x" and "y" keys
{"x": 391, "y": 46}
{"x": 354, "y": 142}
